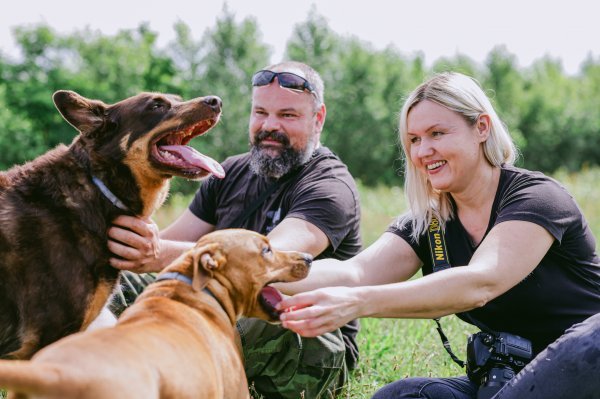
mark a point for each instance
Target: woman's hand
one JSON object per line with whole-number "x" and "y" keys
{"x": 135, "y": 242}
{"x": 316, "y": 312}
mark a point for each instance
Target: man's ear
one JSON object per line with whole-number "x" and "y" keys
{"x": 321, "y": 115}
{"x": 83, "y": 114}
{"x": 206, "y": 260}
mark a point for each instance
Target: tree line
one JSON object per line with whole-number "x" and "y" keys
{"x": 554, "y": 117}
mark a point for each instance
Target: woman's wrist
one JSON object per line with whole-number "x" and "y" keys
{"x": 364, "y": 301}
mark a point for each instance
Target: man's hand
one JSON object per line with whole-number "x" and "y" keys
{"x": 135, "y": 242}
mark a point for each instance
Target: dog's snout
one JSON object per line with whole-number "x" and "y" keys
{"x": 214, "y": 102}
{"x": 308, "y": 259}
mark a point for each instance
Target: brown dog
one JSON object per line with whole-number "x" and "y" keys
{"x": 177, "y": 339}
{"x": 55, "y": 210}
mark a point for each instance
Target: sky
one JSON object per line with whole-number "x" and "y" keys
{"x": 530, "y": 29}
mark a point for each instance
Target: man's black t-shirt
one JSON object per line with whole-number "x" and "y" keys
{"x": 562, "y": 290}
{"x": 322, "y": 192}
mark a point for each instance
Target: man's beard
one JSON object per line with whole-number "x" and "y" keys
{"x": 263, "y": 164}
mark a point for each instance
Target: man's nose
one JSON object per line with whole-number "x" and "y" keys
{"x": 271, "y": 124}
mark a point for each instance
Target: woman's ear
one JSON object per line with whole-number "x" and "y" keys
{"x": 483, "y": 126}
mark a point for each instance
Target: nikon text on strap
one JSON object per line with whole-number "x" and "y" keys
{"x": 437, "y": 244}
{"x": 440, "y": 261}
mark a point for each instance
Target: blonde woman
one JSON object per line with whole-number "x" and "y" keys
{"x": 514, "y": 252}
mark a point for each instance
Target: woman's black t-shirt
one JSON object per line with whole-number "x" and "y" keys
{"x": 562, "y": 290}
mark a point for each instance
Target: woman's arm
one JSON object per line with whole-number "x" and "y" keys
{"x": 505, "y": 257}
{"x": 389, "y": 259}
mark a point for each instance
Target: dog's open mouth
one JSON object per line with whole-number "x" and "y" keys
{"x": 269, "y": 297}
{"x": 171, "y": 151}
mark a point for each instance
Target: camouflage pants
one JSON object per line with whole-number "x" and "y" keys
{"x": 279, "y": 363}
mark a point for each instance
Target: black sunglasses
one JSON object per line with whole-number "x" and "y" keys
{"x": 286, "y": 79}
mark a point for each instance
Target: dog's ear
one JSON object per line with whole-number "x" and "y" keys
{"x": 207, "y": 259}
{"x": 83, "y": 114}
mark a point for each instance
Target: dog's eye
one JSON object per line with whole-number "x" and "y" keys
{"x": 157, "y": 104}
{"x": 266, "y": 250}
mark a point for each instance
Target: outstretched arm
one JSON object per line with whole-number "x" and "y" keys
{"x": 389, "y": 259}
{"x": 506, "y": 256}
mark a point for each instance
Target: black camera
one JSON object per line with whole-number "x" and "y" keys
{"x": 493, "y": 359}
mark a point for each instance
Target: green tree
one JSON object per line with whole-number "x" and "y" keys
{"x": 547, "y": 117}
{"x": 17, "y": 144}
{"x": 222, "y": 64}
{"x": 505, "y": 84}
{"x": 108, "y": 68}
{"x": 364, "y": 88}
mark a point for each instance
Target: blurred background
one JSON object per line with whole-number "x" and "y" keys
{"x": 538, "y": 60}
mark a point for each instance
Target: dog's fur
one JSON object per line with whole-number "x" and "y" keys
{"x": 177, "y": 339}
{"x": 55, "y": 275}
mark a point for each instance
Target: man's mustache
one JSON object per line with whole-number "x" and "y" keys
{"x": 276, "y": 136}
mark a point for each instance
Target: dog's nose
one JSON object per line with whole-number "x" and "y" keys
{"x": 307, "y": 259}
{"x": 214, "y": 102}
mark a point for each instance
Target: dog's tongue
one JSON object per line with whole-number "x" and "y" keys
{"x": 269, "y": 297}
{"x": 194, "y": 158}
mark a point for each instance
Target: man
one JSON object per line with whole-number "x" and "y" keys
{"x": 312, "y": 206}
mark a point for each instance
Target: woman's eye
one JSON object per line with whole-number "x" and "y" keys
{"x": 414, "y": 140}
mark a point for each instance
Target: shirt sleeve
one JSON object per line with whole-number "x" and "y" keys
{"x": 330, "y": 204}
{"x": 540, "y": 200}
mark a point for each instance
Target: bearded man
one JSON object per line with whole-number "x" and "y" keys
{"x": 290, "y": 188}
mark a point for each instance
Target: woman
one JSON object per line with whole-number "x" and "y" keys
{"x": 523, "y": 257}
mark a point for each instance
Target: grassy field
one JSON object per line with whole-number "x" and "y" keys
{"x": 392, "y": 349}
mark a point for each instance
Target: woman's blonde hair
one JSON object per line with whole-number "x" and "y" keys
{"x": 463, "y": 95}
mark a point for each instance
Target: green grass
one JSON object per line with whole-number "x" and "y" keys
{"x": 393, "y": 349}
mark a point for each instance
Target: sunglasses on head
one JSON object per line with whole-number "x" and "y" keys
{"x": 286, "y": 79}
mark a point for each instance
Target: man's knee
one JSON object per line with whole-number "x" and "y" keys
{"x": 130, "y": 286}
{"x": 281, "y": 364}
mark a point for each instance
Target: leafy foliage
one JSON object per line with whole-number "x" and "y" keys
{"x": 554, "y": 118}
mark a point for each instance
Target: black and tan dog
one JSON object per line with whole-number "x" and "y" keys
{"x": 55, "y": 210}
{"x": 177, "y": 340}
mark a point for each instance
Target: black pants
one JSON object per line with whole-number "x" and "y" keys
{"x": 569, "y": 368}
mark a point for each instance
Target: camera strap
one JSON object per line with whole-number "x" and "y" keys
{"x": 319, "y": 155}
{"x": 437, "y": 245}
{"x": 440, "y": 261}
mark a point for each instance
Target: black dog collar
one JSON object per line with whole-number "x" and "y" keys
{"x": 184, "y": 279}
